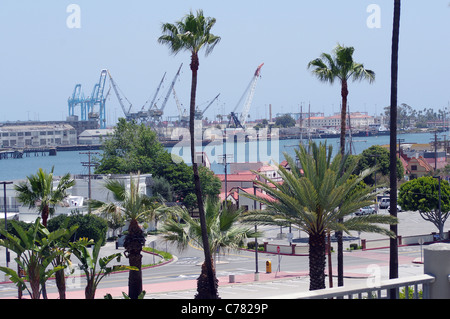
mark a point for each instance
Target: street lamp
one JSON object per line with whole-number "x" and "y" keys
{"x": 256, "y": 239}
{"x": 6, "y": 217}
{"x": 375, "y": 176}
{"x": 440, "y": 214}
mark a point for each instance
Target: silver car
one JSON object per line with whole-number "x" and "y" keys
{"x": 366, "y": 210}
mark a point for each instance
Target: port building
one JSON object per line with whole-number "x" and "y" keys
{"x": 37, "y": 135}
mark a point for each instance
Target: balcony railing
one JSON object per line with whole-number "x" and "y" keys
{"x": 418, "y": 285}
{"x": 9, "y": 209}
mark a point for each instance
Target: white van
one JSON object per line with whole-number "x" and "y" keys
{"x": 385, "y": 202}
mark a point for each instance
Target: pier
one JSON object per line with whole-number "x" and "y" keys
{"x": 28, "y": 152}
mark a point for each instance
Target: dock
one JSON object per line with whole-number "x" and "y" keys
{"x": 28, "y": 152}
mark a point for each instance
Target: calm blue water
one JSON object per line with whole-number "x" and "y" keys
{"x": 63, "y": 162}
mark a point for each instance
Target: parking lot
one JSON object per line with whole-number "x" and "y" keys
{"x": 410, "y": 224}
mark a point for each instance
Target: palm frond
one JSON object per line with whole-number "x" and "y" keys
{"x": 192, "y": 33}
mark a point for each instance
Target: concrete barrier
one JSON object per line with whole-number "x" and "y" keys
{"x": 286, "y": 249}
{"x": 437, "y": 264}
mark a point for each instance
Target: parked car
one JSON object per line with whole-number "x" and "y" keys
{"x": 399, "y": 209}
{"x": 384, "y": 202}
{"x": 366, "y": 210}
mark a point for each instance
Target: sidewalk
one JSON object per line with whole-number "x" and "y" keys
{"x": 154, "y": 290}
{"x": 243, "y": 283}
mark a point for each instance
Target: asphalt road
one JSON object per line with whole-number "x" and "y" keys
{"x": 185, "y": 268}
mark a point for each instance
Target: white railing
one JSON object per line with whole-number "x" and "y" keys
{"x": 418, "y": 284}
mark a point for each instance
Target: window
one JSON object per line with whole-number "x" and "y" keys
{"x": 414, "y": 167}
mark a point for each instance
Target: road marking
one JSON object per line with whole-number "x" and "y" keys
{"x": 241, "y": 288}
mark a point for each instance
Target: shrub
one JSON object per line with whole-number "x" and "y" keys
{"x": 10, "y": 229}
{"x": 251, "y": 246}
{"x": 89, "y": 226}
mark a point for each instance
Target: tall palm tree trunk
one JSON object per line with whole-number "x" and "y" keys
{"x": 340, "y": 244}
{"x": 134, "y": 241}
{"x": 203, "y": 284}
{"x": 344, "y": 95}
{"x": 317, "y": 261}
{"x": 208, "y": 289}
{"x": 393, "y": 260}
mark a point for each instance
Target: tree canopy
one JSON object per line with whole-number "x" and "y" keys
{"x": 134, "y": 148}
{"x": 285, "y": 121}
{"x": 377, "y": 156}
{"x": 422, "y": 194}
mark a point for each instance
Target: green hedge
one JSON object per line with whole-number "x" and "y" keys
{"x": 89, "y": 226}
{"x": 9, "y": 227}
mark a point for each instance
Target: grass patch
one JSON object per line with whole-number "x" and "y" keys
{"x": 164, "y": 254}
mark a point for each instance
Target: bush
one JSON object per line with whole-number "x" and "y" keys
{"x": 354, "y": 247}
{"x": 10, "y": 229}
{"x": 89, "y": 226}
{"x": 402, "y": 293}
{"x": 251, "y": 246}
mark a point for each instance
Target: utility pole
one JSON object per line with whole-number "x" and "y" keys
{"x": 89, "y": 164}
{"x": 435, "y": 150}
{"x": 439, "y": 207}
{"x": 6, "y": 217}
{"x": 224, "y": 162}
{"x": 400, "y": 140}
{"x": 376, "y": 156}
{"x": 256, "y": 239}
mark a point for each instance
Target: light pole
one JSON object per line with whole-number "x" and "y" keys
{"x": 224, "y": 159}
{"x": 256, "y": 239}
{"x": 440, "y": 214}
{"x": 375, "y": 175}
{"x": 6, "y": 217}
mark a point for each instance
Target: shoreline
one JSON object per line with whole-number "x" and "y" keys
{"x": 171, "y": 143}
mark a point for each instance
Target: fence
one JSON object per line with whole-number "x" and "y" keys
{"x": 303, "y": 250}
{"x": 286, "y": 249}
{"x": 418, "y": 284}
{"x": 433, "y": 284}
{"x": 403, "y": 240}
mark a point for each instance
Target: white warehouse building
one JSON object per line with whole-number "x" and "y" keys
{"x": 34, "y": 135}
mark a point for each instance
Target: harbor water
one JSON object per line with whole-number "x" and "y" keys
{"x": 72, "y": 161}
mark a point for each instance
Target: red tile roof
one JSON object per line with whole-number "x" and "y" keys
{"x": 238, "y": 177}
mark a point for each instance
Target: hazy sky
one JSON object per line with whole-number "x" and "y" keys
{"x": 43, "y": 55}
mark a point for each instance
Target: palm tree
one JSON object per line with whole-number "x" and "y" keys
{"x": 317, "y": 200}
{"x": 90, "y": 260}
{"x": 62, "y": 258}
{"x": 393, "y": 259}
{"x": 133, "y": 206}
{"x": 224, "y": 231}
{"x": 192, "y": 34}
{"x": 341, "y": 67}
{"x": 34, "y": 255}
{"x": 38, "y": 192}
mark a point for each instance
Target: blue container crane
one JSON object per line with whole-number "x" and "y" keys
{"x": 88, "y": 104}
{"x": 97, "y": 98}
{"x": 77, "y": 98}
